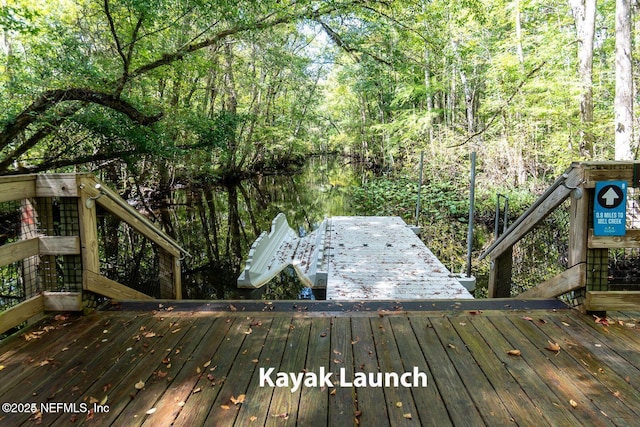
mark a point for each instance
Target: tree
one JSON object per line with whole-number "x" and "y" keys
{"x": 624, "y": 83}
{"x": 584, "y": 12}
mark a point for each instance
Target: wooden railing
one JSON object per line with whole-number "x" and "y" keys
{"x": 588, "y": 255}
{"x": 39, "y": 246}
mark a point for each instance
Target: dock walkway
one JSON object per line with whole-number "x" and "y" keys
{"x": 353, "y": 257}
{"x": 381, "y": 258}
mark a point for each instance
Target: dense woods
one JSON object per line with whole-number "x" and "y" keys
{"x": 193, "y": 88}
{"x": 151, "y": 94}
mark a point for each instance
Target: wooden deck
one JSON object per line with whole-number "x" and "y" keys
{"x": 191, "y": 365}
{"x": 381, "y": 258}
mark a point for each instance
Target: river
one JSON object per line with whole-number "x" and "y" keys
{"x": 217, "y": 224}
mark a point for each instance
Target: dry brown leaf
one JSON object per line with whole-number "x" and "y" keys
{"x": 225, "y": 407}
{"x": 151, "y": 411}
{"x": 573, "y": 403}
{"x": 333, "y": 392}
{"x": 253, "y": 418}
{"x": 514, "y": 352}
{"x": 240, "y": 399}
{"x": 206, "y": 364}
{"x": 232, "y": 307}
{"x": 527, "y": 318}
{"x": 398, "y": 404}
{"x": 248, "y": 331}
{"x": 553, "y": 346}
{"x": 451, "y": 346}
{"x": 198, "y": 390}
{"x": 139, "y": 385}
{"x": 407, "y": 416}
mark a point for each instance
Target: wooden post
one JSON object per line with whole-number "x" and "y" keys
{"x": 88, "y": 234}
{"x": 500, "y": 275}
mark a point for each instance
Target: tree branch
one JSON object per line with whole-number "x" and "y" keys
{"x": 51, "y": 98}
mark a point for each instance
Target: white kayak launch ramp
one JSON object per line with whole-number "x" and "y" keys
{"x": 353, "y": 258}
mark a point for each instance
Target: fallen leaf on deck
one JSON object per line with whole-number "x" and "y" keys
{"x": 573, "y": 403}
{"x": 161, "y": 374}
{"x": 407, "y": 416}
{"x": 553, "y": 346}
{"x": 198, "y": 370}
{"x": 527, "y": 318}
{"x": 1, "y": 367}
{"x": 240, "y": 399}
{"x": 151, "y": 411}
{"x": 253, "y": 418}
{"x": 175, "y": 330}
{"x": 566, "y": 324}
{"x": 398, "y": 404}
{"x": 198, "y": 390}
{"x": 324, "y": 334}
{"x": 104, "y": 400}
{"x": 284, "y": 415}
{"x": 225, "y": 407}
{"x": 451, "y": 346}
{"x": 514, "y": 352}
{"x": 139, "y": 385}
{"x": 248, "y": 331}
{"x": 232, "y": 307}
{"x": 150, "y": 334}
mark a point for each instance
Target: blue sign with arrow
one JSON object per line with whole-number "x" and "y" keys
{"x": 610, "y": 208}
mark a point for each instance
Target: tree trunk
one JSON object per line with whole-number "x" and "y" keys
{"x": 624, "y": 83}
{"x": 519, "y": 48}
{"x": 584, "y": 12}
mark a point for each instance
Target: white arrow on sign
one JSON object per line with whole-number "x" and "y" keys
{"x": 610, "y": 196}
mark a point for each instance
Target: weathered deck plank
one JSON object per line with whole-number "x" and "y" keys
{"x": 194, "y": 363}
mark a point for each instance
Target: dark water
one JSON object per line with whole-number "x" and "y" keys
{"x": 217, "y": 224}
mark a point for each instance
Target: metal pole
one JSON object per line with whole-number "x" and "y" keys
{"x": 471, "y": 212}
{"x": 419, "y": 190}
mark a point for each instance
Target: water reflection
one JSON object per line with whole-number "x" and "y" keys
{"x": 217, "y": 224}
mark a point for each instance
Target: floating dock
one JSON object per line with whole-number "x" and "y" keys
{"x": 354, "y": 258}
{"x": 382, "y": 258}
